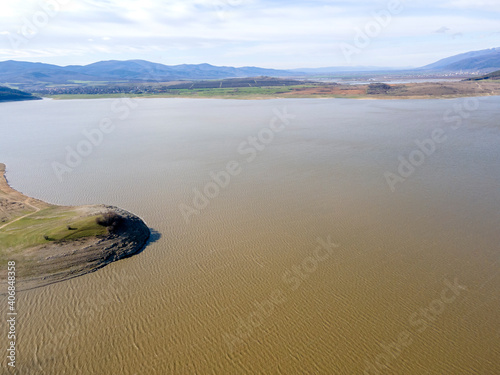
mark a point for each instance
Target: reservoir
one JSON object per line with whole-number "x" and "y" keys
{"x": 290, "y": 236}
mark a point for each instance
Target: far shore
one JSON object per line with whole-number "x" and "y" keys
{"x": 421, "y": 90}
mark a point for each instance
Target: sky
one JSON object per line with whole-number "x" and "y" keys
{"x": 272, "y": 34}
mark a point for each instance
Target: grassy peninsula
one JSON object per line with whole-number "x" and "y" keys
{"x": 51, "y": 243}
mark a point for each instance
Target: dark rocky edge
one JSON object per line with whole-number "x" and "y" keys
{"x": 61, "y": 261}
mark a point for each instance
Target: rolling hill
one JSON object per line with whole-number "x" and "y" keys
{"x": 489, "y": 76}
{"x": 10, "y": 95}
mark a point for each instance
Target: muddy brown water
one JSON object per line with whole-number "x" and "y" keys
{"x": 304, "y": 262}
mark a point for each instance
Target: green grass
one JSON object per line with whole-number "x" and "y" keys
{"x": 14, "y": 216}
{"x": 239, "y": 92}
{"x": 52, "y": 222}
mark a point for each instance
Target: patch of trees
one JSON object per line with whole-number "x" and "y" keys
{"x": 492, "y": 75}
{"x": 111, "y": 220}
{"x": 8, "y": 95}
{"x": 378, "y": 88}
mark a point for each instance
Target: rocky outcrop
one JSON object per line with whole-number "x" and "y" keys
{"x": 53, "y": 261}
{"x": 59, "y": 261}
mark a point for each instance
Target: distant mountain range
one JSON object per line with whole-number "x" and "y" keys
{"x": 131, "y": 70}
{"x": 27, "y": 74}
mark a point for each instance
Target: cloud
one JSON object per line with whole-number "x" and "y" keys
{"x": 239, "y": 32}
{"x": 442, "y": 30}
{"x": 484, "y": 5}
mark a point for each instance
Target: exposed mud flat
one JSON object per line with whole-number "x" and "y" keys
{"x": 421, "y": 90}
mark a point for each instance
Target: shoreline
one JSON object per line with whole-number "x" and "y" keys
{"x": 80, "y": 243}
{"x": 375, "y": 91}
{"x": 95, "y": 97}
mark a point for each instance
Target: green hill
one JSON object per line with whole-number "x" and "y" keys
{"x": 485, "y": 60}
{"x": 11, "y": 95}
{"x": 491, "y": 76}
